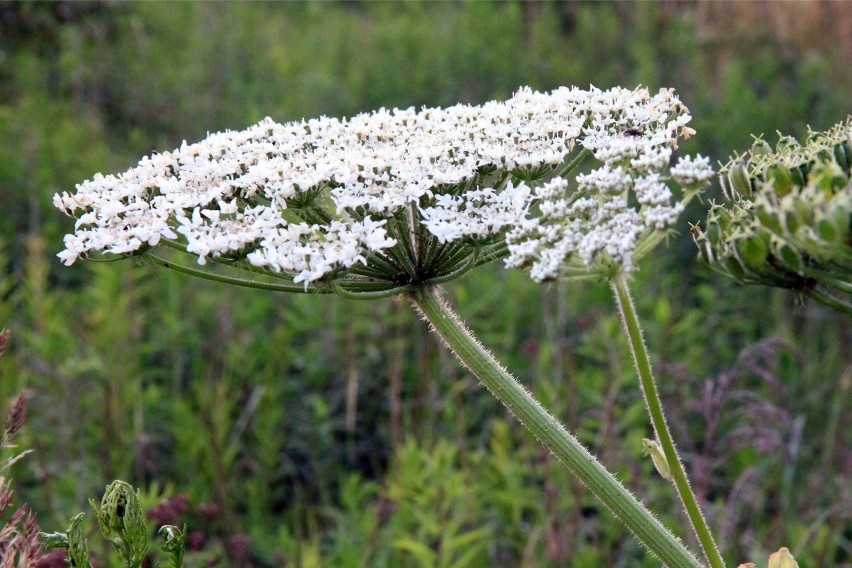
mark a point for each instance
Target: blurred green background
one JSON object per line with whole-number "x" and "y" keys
{"x": 315, "y": 431}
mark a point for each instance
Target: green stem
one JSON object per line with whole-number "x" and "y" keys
{"x": 574, "y": 163}
{"x": 658, "y": 419}
{"x": 830, "y": 301}
{"x": 829, "y": 279}
{"x": 370, "y": 294}
{"x": 490, "y": 255}
{"x": 550, "y": 432}
{"x": 294, "y": 288}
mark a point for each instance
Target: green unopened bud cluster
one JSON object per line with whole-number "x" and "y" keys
{"x": 786, "y": 219}
{"x": 122, "y": 523}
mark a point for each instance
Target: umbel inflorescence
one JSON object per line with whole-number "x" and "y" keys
{"x": 383, "y": 201}
{"x": 787, "y": 218}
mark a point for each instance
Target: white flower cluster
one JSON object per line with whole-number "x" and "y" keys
{"x": 243, "y": 194}
{"x": 634, "y": 142}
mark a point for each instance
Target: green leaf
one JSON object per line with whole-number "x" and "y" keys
{"x": 424, "y": 554}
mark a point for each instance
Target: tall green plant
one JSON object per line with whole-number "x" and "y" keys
{"x": 399, "y": 202}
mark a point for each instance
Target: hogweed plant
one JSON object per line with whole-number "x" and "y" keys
{"x": 397, "y": 202}
{"x": 787, "y": 219}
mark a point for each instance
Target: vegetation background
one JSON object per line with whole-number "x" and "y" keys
{"x": 315, "y": 431}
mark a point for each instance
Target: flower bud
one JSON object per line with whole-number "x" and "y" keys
{"x": 174, "y": 542}
{"x": 78, "y": 546}
{"x": 653, "y": 449}
{"x": 122, "y": 522}
{"x": 782, "y": 559}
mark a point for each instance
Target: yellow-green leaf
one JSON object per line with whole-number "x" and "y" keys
{"x": 782, "y": 559}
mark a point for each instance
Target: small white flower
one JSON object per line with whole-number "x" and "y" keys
{"x": 691, "y": 171}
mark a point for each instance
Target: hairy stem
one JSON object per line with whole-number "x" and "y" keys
{"x": 550, "y": 432}
{"x": 658, "y": 419}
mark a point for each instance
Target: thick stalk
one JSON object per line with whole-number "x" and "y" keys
{"x": 658, "y": 419}
{"x": 550, "y": 432}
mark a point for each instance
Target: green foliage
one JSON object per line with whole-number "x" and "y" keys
{"x": 73, "y": 540}
{"x": 174, "y": 543}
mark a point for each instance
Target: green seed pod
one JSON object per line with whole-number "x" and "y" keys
{"x": 781, "y": 179}
{"x": 827, "y": 231}
{"x": 713, "y": 232}
{"x": 761, "y": 148}
{"x": 735, "y": 268}
{"x": 804, "y": 209}
{"x": 843, "y": 157}
{"x": 727, "y": 191}
{"x": 768, "y": 218}
{"x": 752, "y": 251}
{"x": 841, "y": 217}
{"x": 790, "y": 257}
{"x": 705, "y": 253}
{"x": 791, "y": 221}
{"x": 739, "y": 180}
{"x": 724, "y": 218}
{"x": 798, "y": 176}
{"x": 789, "y": 210}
